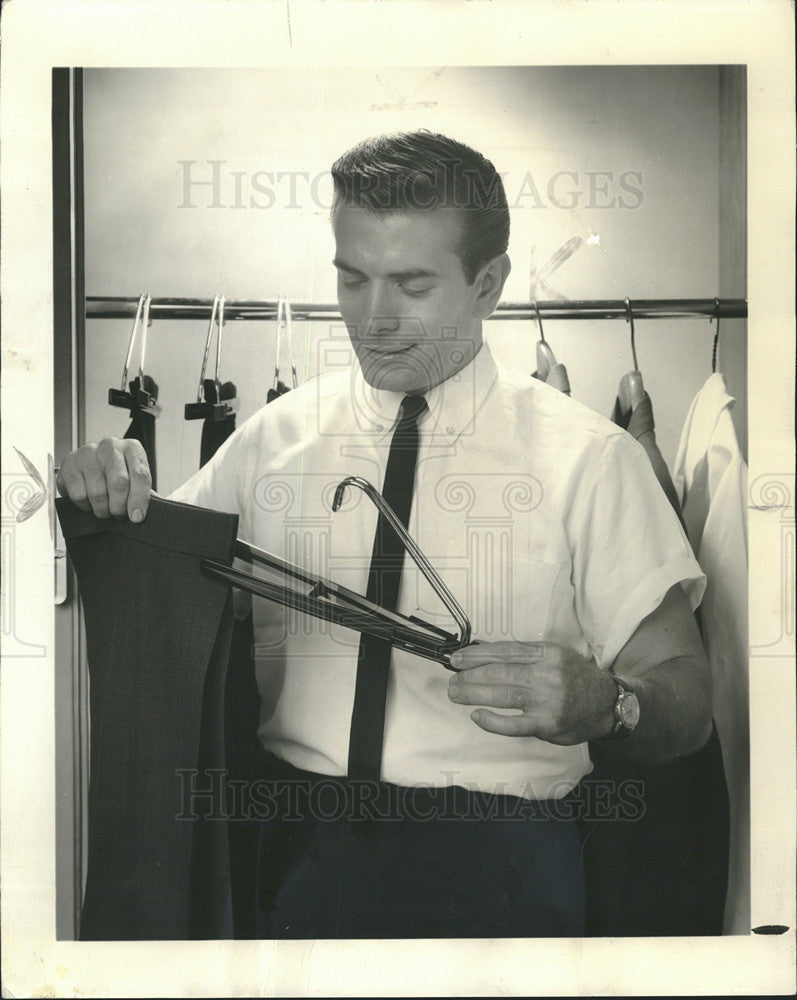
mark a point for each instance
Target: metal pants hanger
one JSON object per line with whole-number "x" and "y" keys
{"x": 213, "y": 405}
{"x": 322, "y": 598}
{"x": 137, "y": 394}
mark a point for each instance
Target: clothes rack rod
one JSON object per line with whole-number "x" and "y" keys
{"x": 120, "y": 307}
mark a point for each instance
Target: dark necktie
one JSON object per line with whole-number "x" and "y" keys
{"x": 384, "y": 577}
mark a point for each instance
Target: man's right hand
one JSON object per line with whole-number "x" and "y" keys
{"x": 110, "y": 478}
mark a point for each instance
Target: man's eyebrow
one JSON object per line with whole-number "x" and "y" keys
{"x": 413, "y": 272}
{"x": 409, "y": 275}
{"x": 343, "y": 266}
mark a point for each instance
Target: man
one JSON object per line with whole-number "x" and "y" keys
{"x": 545, "y": 518}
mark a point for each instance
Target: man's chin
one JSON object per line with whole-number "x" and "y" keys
{"x": 398, "y": 372}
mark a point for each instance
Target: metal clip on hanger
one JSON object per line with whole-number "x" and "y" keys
{"x": 325, "y": 599}
{"x": 213, "y": 405}
{"x": 136, "y": 395}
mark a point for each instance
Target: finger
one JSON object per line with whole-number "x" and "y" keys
{"x": 494, "y": 695}
{"x": 140, "y": 481}
{"x": 71, "y": 484}
{"x": 491, "y": 652}
{"x": 504, "y": 725}
{"x": 114, "y": 469}
{"x": 522, "y": 673}
{"x": 97, "y": 490}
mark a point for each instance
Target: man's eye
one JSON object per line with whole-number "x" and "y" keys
{"x": 352, "y": 282}
{"x": 415, "y": 293}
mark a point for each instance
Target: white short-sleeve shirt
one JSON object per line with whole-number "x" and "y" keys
{"x": 543, "y": 518}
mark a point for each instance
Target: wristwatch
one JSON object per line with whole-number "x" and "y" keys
{"x": 626, "y": 712}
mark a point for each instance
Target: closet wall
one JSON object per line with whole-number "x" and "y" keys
{"x": 206, "y": 181}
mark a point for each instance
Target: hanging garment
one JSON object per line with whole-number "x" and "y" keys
{"x": 656, "y": 846}
{"x": 278, "y": 390}
{"x": 158, "y": 634}
{"x": 640, "y": 424}
{"x": 710, "y": 476}
{"x": 663, "y": 871}
{"x": 216, "y": 432}
{"x": 142, "y": 424}
{"x": 556, "y": 376}
{"x": 242, "y": 701}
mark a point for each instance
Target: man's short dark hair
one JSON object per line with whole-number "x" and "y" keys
{"x": 413, "y": 171}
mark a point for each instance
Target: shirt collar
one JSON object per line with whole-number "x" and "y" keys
{"x": 452, "y": 404}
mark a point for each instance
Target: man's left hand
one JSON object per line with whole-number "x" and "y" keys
{"x": 562, "y": 697}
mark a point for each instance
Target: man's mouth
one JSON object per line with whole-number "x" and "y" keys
{"x": 392, "y": 349}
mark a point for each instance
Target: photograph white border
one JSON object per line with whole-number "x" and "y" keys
{"x": 38, "y": 35}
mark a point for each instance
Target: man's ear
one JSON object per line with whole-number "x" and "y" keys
{"x": 490, "y": 283}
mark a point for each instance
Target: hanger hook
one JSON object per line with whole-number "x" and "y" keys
{"x": 289, "y": 332}
{"x": 219, "y": 325}
{"x": 417, "y": 556}
{"x": 132, "y": 341}
{"x": 278, "y": 339}
{"x": 629, "y": 315}
{"x": 213, "y": 314}
{"x": 716, "y": 335}
{"x": 539, "y": 321}
{"x": 145, "y": 321}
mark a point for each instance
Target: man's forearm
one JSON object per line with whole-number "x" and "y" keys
{"x": 675, "y": 713}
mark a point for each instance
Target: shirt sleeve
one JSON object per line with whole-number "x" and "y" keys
{"x": 628, "y": 548}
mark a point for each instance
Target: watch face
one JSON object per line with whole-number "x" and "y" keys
{"x": 629, "y": 710}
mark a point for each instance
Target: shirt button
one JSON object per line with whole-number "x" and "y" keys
{"x": 449, "y": 429}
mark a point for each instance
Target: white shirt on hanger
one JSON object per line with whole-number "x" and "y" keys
{"x": 710, "y": 477}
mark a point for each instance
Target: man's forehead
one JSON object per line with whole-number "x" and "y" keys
{"x": 436, "y": 230}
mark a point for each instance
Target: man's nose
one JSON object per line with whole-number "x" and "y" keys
{"x": 383, "y": 313}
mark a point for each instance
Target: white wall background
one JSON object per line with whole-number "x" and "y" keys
{"x": 650, "y": 223}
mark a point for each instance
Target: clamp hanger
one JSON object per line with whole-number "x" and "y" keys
{"x": 142, "y": 391}
{"x": 284, "y": 322}
{"x": 212, "y": 406}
